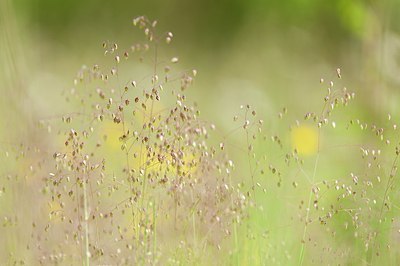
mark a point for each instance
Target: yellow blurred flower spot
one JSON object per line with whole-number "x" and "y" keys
{"x": 305, "y": 140}
{"x": 113, "y": 132}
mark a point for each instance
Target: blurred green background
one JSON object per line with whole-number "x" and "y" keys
{"x": 269, "y": 54}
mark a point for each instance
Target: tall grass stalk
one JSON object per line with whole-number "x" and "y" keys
{"x": 303, "y": 240}
{"x": 86, "y": 261}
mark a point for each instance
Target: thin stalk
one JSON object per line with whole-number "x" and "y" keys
{"x": 154, "y": 232}
{"x": 194, "y": 225}
{"x": 124, "y": 131}
{"x": 141, "y": 147}
{"x": 86, "y": 261}
{"x": 301, "y": 257}
{"x": 146, "y": 236}
{"x": 235, "y": 234}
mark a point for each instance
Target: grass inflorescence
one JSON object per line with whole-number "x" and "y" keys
{"x": 133, "y": 174}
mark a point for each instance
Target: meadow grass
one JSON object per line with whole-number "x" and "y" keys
{"x": 134, "y": 175}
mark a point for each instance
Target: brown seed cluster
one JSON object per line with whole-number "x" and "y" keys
{"x": 136, "y": 176}
{"x": 163, "y": 184}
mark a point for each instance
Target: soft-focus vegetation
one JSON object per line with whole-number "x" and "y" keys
{"x": 206, "y": 132}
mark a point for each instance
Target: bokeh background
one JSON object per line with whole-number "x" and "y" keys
{"x": 269, "y": 54}
{"x": 265, "y": 51}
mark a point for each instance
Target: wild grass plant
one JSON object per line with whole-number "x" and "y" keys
{"x": 134, "y": 175}
{"x": 135, "y": 158}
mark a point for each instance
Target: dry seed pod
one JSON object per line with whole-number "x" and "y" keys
{"x": 338, "y": 73}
